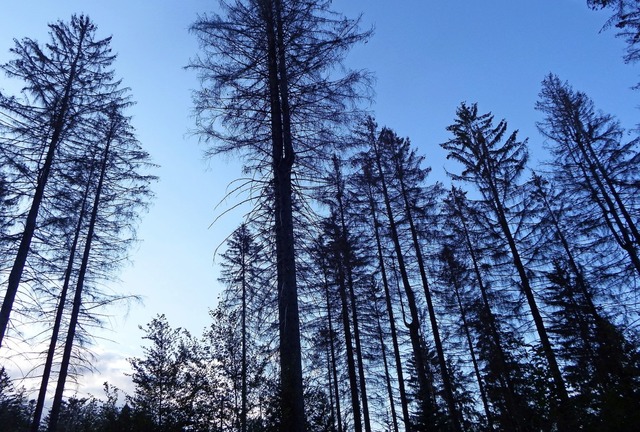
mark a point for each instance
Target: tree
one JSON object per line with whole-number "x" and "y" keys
{"x": 65, "y": 82}
{"x": 268, "y": 77}
{"x": 120, "y": 190}
{"x": 594, "y": 166}
{"x": 626, "y": 18}
{"x": 454, "y": 276}
{"x": 365, "y": 187}
{"x": 599, "y": 360}
{"x": 243, "y": 273}
{"x": 374, "y": 164}
{"x": 15, "y": 410}
{"x": 494, "y": 166}
{"x": 465, "y": 228}
{"x": 332, "y": 253}
{"x": 416, "y": 202}
{"x": 163, "y": 387}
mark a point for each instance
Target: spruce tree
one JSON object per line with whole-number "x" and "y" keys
{"x": 65, "y": 82}
{"x": 493, "y": 161}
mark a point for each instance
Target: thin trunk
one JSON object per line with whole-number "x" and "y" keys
{"x": 387, "y": 374}
{"x": 608, "y": 208}
{"x": 77, "y": 300}
{"x": 565, "y": 414}
{"x": 581, "y": 282}
{"x": 472, "y": 353}
{"x": 414, "y": 325}
{"x": 351, "y": 367}
{"x": 505, "y": 376}
{"x": 243, "y": 412}
{"x": 334, "y": 366}
{"x": 444, "y": 371}
{"x": 604, "y": 183}
{"x": 30, "y": 225}
{"x": 392, "y": 322}
{"x": 348, "y": 262}
{"x": 48, "y": 365}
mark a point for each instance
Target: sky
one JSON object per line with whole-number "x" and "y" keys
{"x": 428, "y": 56}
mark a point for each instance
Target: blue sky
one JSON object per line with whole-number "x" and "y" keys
{"x": 427, "y": 55}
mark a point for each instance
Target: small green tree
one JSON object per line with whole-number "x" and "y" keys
{"x": 15, "y": 409}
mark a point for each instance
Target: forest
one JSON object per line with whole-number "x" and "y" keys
{"x": 359, "y": 294}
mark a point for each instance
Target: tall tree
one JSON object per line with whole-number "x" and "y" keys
{"x": 593, "y": 165}
{"x": 461, "y": 216}
{"x": 416, "y": 202}
{"x": 242, "y": 273}
{"x": 369, "y": 196}
{"x": 334, "y": 254}
{"x": 374, "y": 164}
{"x": 60, "y": 309}
{"x": 600, "y": 361}
{"x": 454, "y": 276}
{"x": 268, "y": 78}
{"x": 493, "y": 162}
{"x": 65, "y": 81}
{"x": 119, "y": 191}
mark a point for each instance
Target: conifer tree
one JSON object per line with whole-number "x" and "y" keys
{"x": 593, "y": 165}
{"x": 493, "y": 162}
{"x": 267, "y": 74}
{"x": 65, "y": 82}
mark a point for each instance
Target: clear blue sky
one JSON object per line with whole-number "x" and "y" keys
{"x": 427, "y": 55}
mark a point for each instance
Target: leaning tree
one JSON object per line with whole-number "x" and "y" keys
{"x": 65, "y": 82}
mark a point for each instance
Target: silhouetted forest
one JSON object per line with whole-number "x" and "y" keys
{"x": 360, "y": 295}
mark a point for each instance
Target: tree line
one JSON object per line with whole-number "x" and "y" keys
{"x": 359, "y": 294}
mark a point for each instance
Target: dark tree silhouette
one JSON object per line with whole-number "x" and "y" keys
{"x": 593, "y": 165}
{"x": 494, "y": 165}
{"x": 267, "y": 78}
{"x": 65, "y": 82}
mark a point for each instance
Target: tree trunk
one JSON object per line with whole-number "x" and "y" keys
{"x": 333, "y": 366}
{"x": 565, "y": 414}
{"x": 392, "y": 323}
{"x": 48, "y": 365}
{"x": 291, "y": 391}
{"x": 348, "y": 263}
{"x": 414, "y": 325}
{"x": 444, "y": 371}
{"x": 348, "y": 339}
{"x": 467, "y": 333}
{"x": 505, "y": 376}
{"x": 243, "y": 412}
{"x": 387, "y": 374}
{"x": 77, "y": 300}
